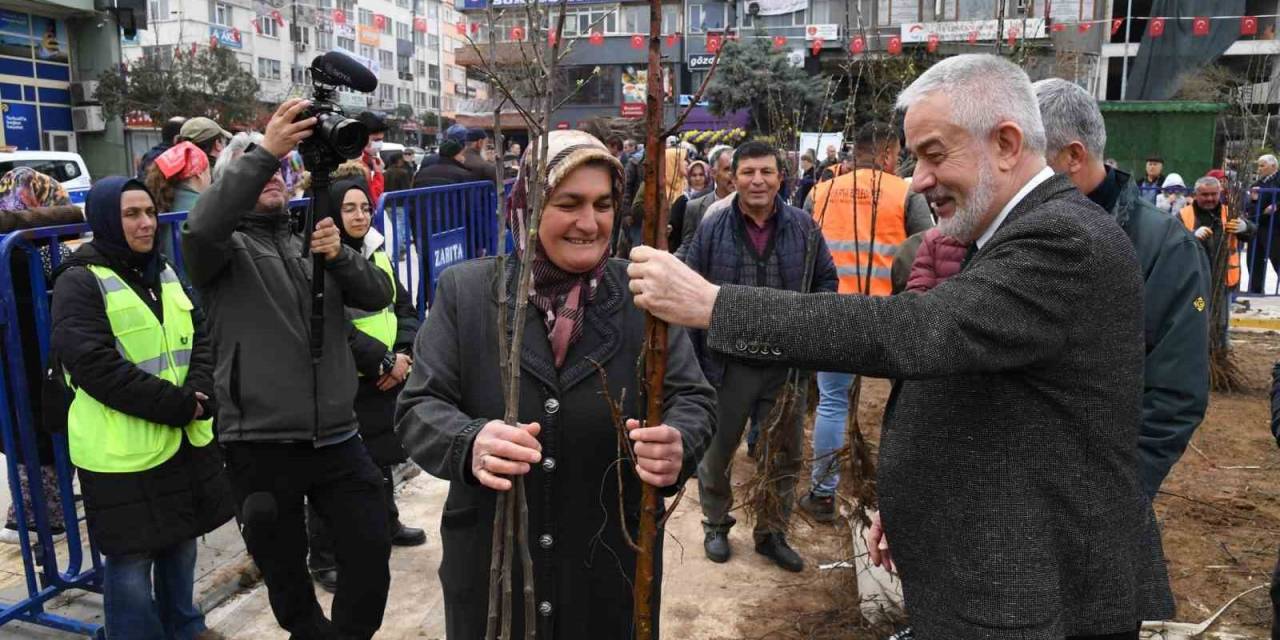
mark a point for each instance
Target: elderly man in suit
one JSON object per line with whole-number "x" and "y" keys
{"x": 1008, "y": 461}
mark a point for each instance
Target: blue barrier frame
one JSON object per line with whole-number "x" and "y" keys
{"x": 420, "y": 215}
{"x": 43, "y": 579}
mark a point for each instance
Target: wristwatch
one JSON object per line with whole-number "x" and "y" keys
{"x": 388, "y": 363}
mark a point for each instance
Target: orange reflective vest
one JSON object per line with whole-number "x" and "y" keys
{"x": 863, "y": 213}
{"x": 1188, "y": 215}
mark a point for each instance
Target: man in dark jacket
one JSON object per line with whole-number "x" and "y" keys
{"x": 1153, "y": 180}
{"x": 473, "y": 156}
{"x": 757, "y": 241}
{"x": 721, "y": 166}
{"x": 168, "y": 137}
{"x": 449, "y": 169}
{"x": 286, "y": 419}
{"x": 1175, "y": 273}
{"x": 1261, "y": 209}
{"x": 1008, "y": 474}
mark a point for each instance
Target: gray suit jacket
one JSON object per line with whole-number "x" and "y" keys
{"x": 1008, "y": 459}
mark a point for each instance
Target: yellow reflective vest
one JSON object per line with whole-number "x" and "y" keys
{"x": 105, "y": 440}
{"x": 380, "y": 325}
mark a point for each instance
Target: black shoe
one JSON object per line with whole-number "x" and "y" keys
{"x": 408, "y": 537}
{"x": 776, "y": 548}
{"x": 821, "y": 508}
{"x": 904, "y": 633}
{"x": 326, "y": 578}
{"x": 717, "y": 546}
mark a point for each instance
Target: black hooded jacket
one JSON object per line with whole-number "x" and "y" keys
{"x": 187, "y": 495}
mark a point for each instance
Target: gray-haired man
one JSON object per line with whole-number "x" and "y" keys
{"x": 1175, "y": 278}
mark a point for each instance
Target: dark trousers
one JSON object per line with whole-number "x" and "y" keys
{"x": 320, "y": 541}
{"x": 1126, "y": 635}
{"x": 345, "y": 487}
{"x": 1264, "y": 247}
{"x": 1275, "y": 602}
{"x": 747, "y": 392}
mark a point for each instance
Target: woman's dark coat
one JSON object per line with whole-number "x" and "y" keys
{"x": 583, "y": 566}
{"x": 182, "y": 498}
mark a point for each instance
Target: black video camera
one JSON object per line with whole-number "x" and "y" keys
{"x": 337, "y": 138}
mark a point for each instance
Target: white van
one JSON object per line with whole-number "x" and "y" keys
{"x": 66, "y": 167}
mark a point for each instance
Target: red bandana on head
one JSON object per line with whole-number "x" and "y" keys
{"x": 182, "y": 161}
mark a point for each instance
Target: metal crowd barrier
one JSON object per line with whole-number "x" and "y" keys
{"x": 44, "y": 578}
{"x": 1262, "y": 251}
{"x": 433, "y": 228}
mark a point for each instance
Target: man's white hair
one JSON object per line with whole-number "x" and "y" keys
{"x": 1208, "y": 181}
{"x": 985, "y": 90}
{"x": 716, "y": 152}
{"x": 1070, "y": 114}
{"x": 234, "y": 149}
{"x": 1269, "y": 160}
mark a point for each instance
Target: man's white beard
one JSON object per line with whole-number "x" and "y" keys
{"x": 967, "y": 223}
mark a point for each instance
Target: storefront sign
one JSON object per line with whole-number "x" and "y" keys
{"x": 21, "y": 129}
{"x": 633, "y": 110}
{"x": 701, "y": 62}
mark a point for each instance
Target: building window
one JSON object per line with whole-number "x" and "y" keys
{"x": 268, "y": 68}
{"x": 366, "y": 51}
{"x": 420, "y": 68}
{"x": 347, "y": 44}
{"x": 795, "y": 19}
{"x": 386, "y": 59}
{"x": 596, "y": 89}
{"x": 433, "y": 10}
{"x": 324, "y": 40}
{"x": 402, "y": 65}
{"x": 895, "y": 12}
{"x": 268, "y": 26}
{"x": 435, "y": 72}
{"x": 435, "y": 101}
{"x": 578, "y": 21}
{"x": 419, "y": 99}
{"x": 403, "y": 4}
{"x": 707, "y": 17}
{"x": 670, "y": 18}
{"x": 220, "y": 13}
{"x": 402, "y": 96}
{"x": 300, "y": 34}
{"x": 386, "y": 93}
{"x": 419, "y": 39}
{"x": 348, "y": 6}
{"x": 366, "y": 17}
{"x": 403, "y": 32}
{"x": 324, "y": 4}
{"x": 433, "y": 41}
{"x": 300, "y": 75}
{"x": 159, "y": 9}
{"x": 388, "y": 26}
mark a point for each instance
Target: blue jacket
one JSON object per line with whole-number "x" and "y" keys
{"x": 716, "y": 252}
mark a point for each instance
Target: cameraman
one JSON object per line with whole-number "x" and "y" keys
{"x": 287, "y": 423}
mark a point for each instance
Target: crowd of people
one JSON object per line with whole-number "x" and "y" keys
{"x": 1041, "y": 312}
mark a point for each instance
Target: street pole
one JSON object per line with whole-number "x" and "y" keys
{"x": 1124, "y": 62}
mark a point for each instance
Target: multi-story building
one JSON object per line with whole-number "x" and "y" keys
{"x": 407, "y": 43}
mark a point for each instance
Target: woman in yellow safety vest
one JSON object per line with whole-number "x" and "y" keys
{"x": 381, "y": 342}
{"x": 140, "y": 426}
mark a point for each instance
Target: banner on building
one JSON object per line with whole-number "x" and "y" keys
{"x": 826, "y": 32}
{"x": 780, "y": 7}
{"x": 226, "y": 36}
{"x": 961, "y": 31}
{"x": 370, "y": 35}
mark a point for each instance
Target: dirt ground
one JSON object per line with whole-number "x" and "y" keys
{"x": 1219, "y": 509}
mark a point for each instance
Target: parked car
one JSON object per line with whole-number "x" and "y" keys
{"x": 64, "y": 166}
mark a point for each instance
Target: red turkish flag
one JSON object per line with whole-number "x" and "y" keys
{"x": 932, "y": 45}
{"x": 816, "y": 47}
{"x": 713, "y": 42}
{"x": 257, "y": 27}
{"x": 475, "y": 28}
{"x": 1200, "y": 26}
{"x": 235, "y": 35}
{"x": 973, "y": 37}
{"x": 1084, "y": 27}
{"x": 517, "y": 33}
{"x": 339, "y": 17}
{"x": 1058, "y": 27}
{"x": 1156, "y": 27}
{"x": 462, "y": 28}
{"x": 857, "y": 45}
{"x": 279, "y": 19}
{"x": 420, "y": 25}
{"x": 779, "y": 42}
{"x": 637, "y": 41}
{"x": 596, "y": 38}
{"x": 1249, "y": 26}
{"x": 551, "y": 39}
{"x": 673, "y": 39}
{"x": 213, "y": 42}
{"x": 895, "y": 45}
{"x": 1013, "y": 36}
{"x": 1116, "y": 24}
{"x": 379, "y": 20}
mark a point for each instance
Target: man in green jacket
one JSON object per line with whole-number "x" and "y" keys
{"x": 1175, "y": 271}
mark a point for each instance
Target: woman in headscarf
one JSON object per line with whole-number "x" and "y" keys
{"x": 381, "y": 342}
{"x": 140, "y": 427}
{"x": 30, "y": 199}
{"x": 676, "y": 194}
{"x": 699, "y": 179}
{"x": 581, "y": 328}
{"x": 178, "y": 177}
